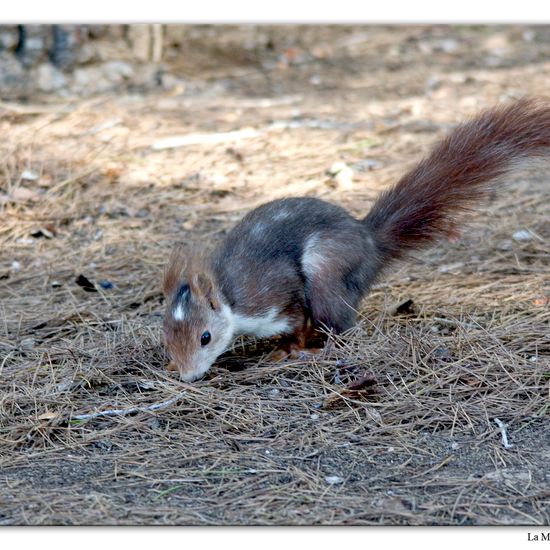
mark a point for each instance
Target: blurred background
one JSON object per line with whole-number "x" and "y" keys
{"x": 252, "y": 59}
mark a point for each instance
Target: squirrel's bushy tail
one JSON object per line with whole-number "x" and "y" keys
{"x": 460, "y": 171}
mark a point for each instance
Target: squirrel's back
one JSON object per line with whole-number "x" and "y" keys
{"x": 266, "y": 254}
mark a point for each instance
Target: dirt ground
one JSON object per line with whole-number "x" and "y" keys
{"x": 93, "y": 197}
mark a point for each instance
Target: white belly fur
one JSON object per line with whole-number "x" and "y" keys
{"x": 261, "y": 326}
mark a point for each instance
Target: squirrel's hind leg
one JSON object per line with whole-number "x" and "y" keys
{"x": 293, "y": 346}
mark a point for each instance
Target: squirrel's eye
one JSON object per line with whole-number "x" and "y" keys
{"x": 205, "y": 338}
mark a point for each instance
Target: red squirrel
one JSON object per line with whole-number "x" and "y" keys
{"x": 299, "y": 262}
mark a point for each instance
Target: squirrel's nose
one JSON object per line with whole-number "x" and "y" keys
{"x": 172, "y": 367}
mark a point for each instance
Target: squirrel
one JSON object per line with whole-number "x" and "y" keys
{"x": 302, "y": 262}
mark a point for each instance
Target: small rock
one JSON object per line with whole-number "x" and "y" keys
{"x": 28, "y": 343}
{"x": 334, "y": 480}
{"x": 442, "y": 353}
{"x": 23, "y": 240}
{"x": 171, "y": 82}
{"x": 425, "y": 47}
{"x": 522, "y": 235}
{"x": 504, "y": 245}
{"x": 497, "y": 44}
{"x": 433, "y": 82}
{"x": 448, "y": 45}
{"x": 189, "y": 224}
{"x": 117, "y": 71}
{"x": 365, "y": 165}
{"x": 15, "y": 266}
{"x": 315, "y": 80}
{"x": 218, "y": 179}
{"x": 63, "y": 386}
{"x": 459, "y": 78}
{"x": 90, "y": 80}
{"x": 342, "y": 174}
{"x": 494, "y": 61}
{"x": 12, "y": 73}
{"x": 29, "y": 175}
{"x": 9, "y": 39}
{"x": 34, "y": 43}
{"x": 48, "y": 78}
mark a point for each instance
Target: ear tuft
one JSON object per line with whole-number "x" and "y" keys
{"x": 175, "y": 270}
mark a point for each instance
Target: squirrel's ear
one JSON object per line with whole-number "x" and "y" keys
{"x": 174, "y": 271}
{"x": 202, "y": 286}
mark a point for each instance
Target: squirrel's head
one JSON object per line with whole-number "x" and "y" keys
{"x": 197, "y": 325}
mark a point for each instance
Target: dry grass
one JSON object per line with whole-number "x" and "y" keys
{"x": 260, "y": 443}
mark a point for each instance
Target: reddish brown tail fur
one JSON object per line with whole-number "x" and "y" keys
{"x": 461, "y": 170}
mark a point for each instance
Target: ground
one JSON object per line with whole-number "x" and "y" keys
{"x": 88, "y": 188}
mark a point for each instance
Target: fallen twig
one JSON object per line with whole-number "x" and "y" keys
{"x": 130, "y": 410}
{"x": 201, "y": 139}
